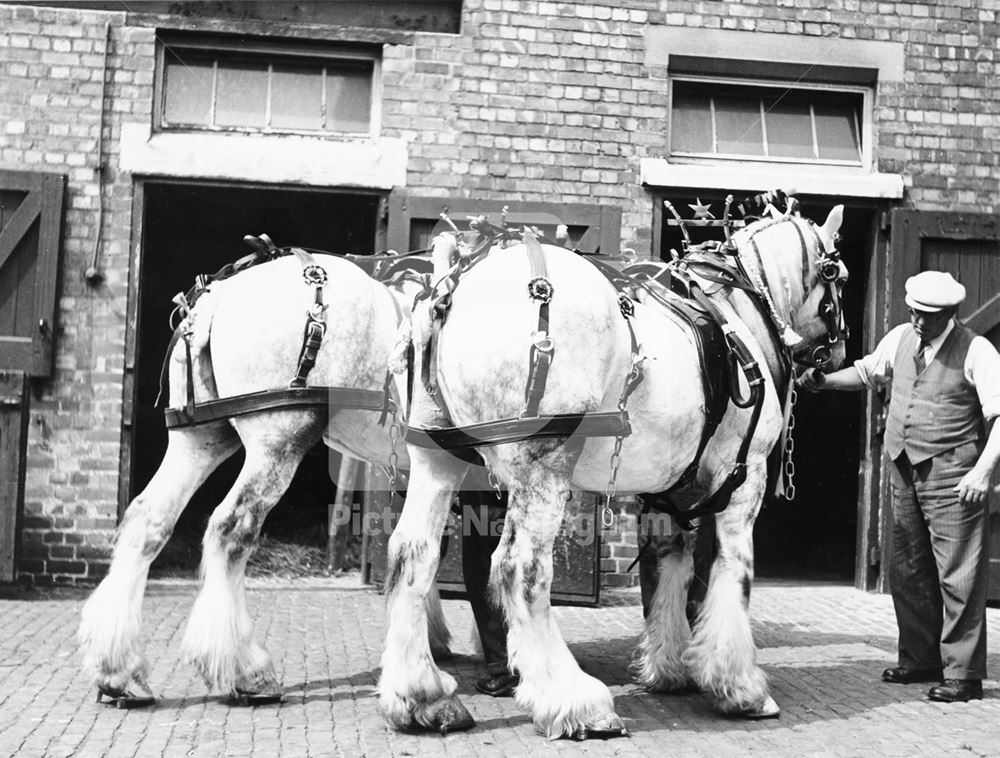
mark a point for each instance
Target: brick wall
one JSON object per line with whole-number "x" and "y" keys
{"x": 533, "y": 101}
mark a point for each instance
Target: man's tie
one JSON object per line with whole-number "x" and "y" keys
{"x": 918, "y": 359}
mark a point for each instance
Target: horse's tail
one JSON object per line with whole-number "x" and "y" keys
{"x": 189, "y": 362}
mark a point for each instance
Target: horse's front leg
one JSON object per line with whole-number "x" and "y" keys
{"x": 722, "y": 655}
{"x": 413, "y": 691}
{"x": 666, "y": 568}
{"x": 111, "y": 618}
{"x": 563, "y": 700}
{"x": 219, "y": 639}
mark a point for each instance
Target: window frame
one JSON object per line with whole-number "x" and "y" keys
{"x": 270, "y": 52}
{"x": 748, "y": 85}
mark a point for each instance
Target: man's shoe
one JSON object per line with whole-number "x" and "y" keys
{"x": 498, "y": 685}
{"x": 957, "y": 691}
{"x": 903, "y": 675}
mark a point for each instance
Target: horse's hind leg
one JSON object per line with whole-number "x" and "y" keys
{"x": 722, "y": 655}
{"x": 219, "y": 637}
{"x": 413, "y": 691}
{"x": 563, "y": 700}
{"x": 112, "y": 616}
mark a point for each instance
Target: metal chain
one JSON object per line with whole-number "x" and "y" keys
{"x": 634, "y": 374}
{"x": 494, "y": 482}
{"x": 789, "y": 464}
{"x": 395, "y": 429}
{"x": 608, "y": 515}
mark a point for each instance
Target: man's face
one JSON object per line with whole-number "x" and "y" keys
{"x": 929, "y": 324}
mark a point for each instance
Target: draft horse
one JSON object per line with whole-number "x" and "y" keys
{"x": 273, "y": 358}
{"x": 479, "y": 365}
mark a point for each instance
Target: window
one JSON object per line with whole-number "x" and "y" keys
{"x": 219, "y": 86}
{"x": 767, "y": 122}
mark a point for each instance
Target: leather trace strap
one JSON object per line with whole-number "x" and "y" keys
{"x": 336, "y": 398}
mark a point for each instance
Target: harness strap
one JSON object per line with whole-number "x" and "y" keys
{"x": 504, "y": 431}
{"x": 540, "y": 357}
{"x": 340, "y": 398}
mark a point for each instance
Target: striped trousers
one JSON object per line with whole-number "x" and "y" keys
{"x": 939, "y": 568}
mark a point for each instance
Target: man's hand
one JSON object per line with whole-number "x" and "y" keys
{"x": 974, "y": 487}
{"x": 811, "y": 380}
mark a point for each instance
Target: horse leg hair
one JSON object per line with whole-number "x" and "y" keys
{"x": 111, "y": 619}
{"x": 563, "y": 700}
{"x": 658, "y": 665}
{"x": 722, "y": 654}
{"x": 412, "y": 688}
{"x": 219, "y": 636}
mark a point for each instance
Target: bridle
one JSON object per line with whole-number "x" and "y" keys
{"x": 818, "y": 352}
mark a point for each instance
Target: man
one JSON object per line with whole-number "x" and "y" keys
{"x": 945, "y": 382}
{"x": 480, "y": 537}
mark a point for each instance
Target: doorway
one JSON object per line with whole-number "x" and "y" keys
{"x": 191, "y": 229}
{"x": 814, "y": 536}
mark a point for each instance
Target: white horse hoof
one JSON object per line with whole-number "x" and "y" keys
{"x": 763, "y": 709}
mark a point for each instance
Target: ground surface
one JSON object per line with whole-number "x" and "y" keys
{"x": 822, "y": 646}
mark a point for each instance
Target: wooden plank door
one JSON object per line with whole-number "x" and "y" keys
{"x": 13, "y": 449}
{"x": 30, "y": 233}
{"x": 967, "y": 246}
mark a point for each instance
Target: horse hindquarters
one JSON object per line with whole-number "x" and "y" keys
{"x": 112, "y": 617}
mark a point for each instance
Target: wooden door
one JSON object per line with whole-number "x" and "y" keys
{"x": 967, "y": 246}
{"x": 31, "y": 209}
{"x": 30, "y": 232}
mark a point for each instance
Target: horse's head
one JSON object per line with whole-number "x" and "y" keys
{"x": 804, "y": 278}
{"x": 820, "y": 319}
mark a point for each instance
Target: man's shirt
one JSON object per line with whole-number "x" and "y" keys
{"x": 981, "y": 369}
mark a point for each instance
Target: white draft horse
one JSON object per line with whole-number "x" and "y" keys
{"x": 482, "y": 365}
{"x": 246, "y": 334}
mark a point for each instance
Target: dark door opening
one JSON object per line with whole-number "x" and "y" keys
{"x": 197, "y": 229}
{"x": 813, "y": 536}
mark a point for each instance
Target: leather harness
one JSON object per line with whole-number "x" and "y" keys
{"x": 384, "y": 267}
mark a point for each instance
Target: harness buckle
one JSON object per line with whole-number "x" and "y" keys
{"x": 542, "y": 341}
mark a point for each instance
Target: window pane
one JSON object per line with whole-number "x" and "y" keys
{"x": 187, "y": 84}
{"x": 789, "y": 127}
{"x": 297, "y": 97}
{"x": 738, "y": 122}
{"x": 836, "y": 133}
{"x": 241, "y": 94}
{"x": 690, "y": 123}
{"x": 348, "y": 98}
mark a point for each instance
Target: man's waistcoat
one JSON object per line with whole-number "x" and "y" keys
{"x": 936, "y": 410}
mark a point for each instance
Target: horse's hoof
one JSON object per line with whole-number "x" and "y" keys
{"x": 447, "y": 715}
{"x": 245, "y": 698}
{"x": 123, "y": 698}
{"x": 763, "y": 709}
{"x": 607, "y": 729}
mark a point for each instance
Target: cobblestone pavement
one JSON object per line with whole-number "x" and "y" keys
{"x": 823, "y": 647}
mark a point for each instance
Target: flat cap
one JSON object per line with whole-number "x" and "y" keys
{"x": 933, "y": 290}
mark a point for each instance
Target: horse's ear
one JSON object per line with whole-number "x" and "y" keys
{"x": 444, "y": 250}
{"x": 832, "y": 225}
